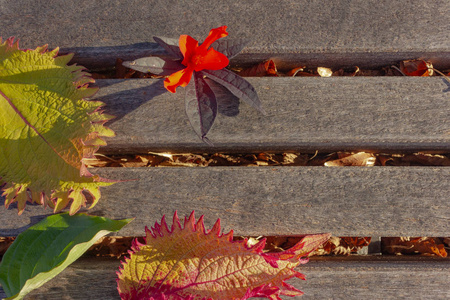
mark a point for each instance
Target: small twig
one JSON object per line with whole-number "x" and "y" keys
{"x": 299, "y": 70}
{"x": 395, "y": 67}
{"x": 104, "y": 156}
{"x": 442, "y": 74}
{"x": 315, "y": 154}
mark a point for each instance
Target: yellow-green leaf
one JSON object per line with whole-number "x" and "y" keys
{"x": 47, "y": 129}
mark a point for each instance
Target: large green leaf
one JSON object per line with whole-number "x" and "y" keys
{"x": 47, "y": 129}
{"x": 45, "y": 249}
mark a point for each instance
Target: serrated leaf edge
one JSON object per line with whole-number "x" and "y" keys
{"x": 162, "y": 229}
{"x": 21, "y": 193}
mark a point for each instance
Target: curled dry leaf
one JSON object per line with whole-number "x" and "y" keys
{"x": 416, "y": 68}
{"x": 418, "y": 245}
{"x": 189, "y": 262}
{"x": 267, "y": 68}
{"x": 324, "y": 72}
{"x": 342, "y": 245}
{"x": 355, "y": 71}
{"x": 357, "y": 159}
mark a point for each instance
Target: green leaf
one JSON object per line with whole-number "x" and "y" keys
{"x": 47, "y": 129}
{"x": 45, "y": 249}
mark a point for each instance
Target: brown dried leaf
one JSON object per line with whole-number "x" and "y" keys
{"x": 324, "y": 72}
{"x": 342, "y": 245}
{"x": 122, "y": 71}
{"x": 416, "y": 68}
{"x": 416, "y": 245}
{"x": 353, "y": 72}
{"x": 111, "y": 246}
{"x": 357, "y": 159}
{"x": 427, "y": 159}
{"x": 267, "y": 68}
{"x": 5, "y": 242}
{"x": 190, "y": 160}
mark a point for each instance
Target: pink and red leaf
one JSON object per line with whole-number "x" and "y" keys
{"x": 189, "y": 262}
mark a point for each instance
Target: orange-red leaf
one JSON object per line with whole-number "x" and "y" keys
{"x": 416, "y": 68}
{"x": 189, "y": 262}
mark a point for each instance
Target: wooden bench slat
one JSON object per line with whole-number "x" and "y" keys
{"x": 341, "y": 33}
{"x": 304, "y": 114}
{"x": 353, "y": 201}
{"x": 338, "y": 278}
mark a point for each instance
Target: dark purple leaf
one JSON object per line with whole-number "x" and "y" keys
{"x": 237, "y": 85}
{"x": 201, "y": 106}
{"x": 155, "y": 65}
{"x": 230, "y": 48}
{"x": 170, "y": 45}
{"x": 227, "y": 103}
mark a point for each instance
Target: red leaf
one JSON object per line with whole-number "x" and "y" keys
{"x": 416, "y": 68}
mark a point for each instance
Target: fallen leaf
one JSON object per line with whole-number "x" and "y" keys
{"x": 342, "y": 245}
{"x": 417, "y": 245}
{"x": 189, "y": 262}
{"x": 267, "y": 68}
{"x": 324, "y": 72}
{"x": 357, "y": 159}
{"x": 352, "y": 72}
{"x": 416, "y": 68}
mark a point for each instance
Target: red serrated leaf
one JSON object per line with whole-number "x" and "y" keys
{"x": 189, "y": 262}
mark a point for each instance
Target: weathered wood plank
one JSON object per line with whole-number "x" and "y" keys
{"x": 353, "y": 201}
{"x": 338, "y": 278}
{"x": 304, "y": 114}
{"x": 339, "y": 33}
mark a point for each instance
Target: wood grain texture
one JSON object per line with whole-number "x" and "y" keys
{"x": 337, "y": 278}
{"x": 294, "y": 32}
{"x": 253, "y": 201}
{"x": 304, "y": 114}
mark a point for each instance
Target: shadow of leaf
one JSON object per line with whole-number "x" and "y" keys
{"x": 121, "y": 103}
{"x": 448, "y": 85}
{"x": 105, "y": 57}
